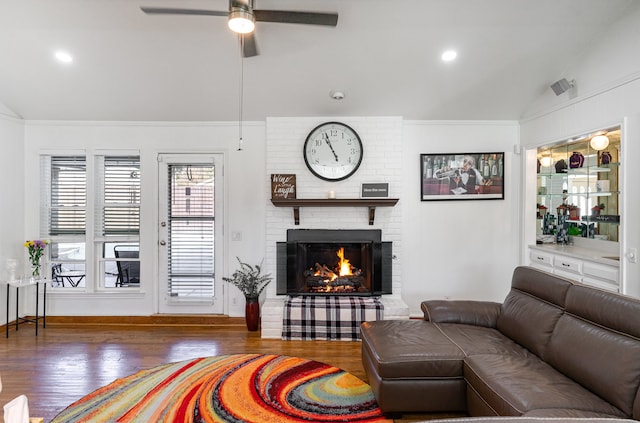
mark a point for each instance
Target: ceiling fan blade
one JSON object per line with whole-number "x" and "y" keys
{"x": 284, "y": 16}
{"x": 250, "y": 49}
{"x": 175, "y": 11}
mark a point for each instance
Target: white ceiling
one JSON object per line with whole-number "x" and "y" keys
{"x": 384, "y": 54}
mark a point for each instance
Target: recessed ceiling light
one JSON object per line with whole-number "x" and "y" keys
{"x": 64, "y": 57}
{"x": 449, "y": 55}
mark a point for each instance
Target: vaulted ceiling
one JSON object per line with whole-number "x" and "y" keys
{"x": 383, "y": 54}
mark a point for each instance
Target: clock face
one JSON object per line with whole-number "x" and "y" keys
{"x": 333, "y": 151}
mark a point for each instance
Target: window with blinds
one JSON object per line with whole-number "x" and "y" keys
{"x": 117, "y": 219}
{"x": 121, "y": 196}
{"x": 191, "y": 231}
{"x": 64, "y": 218}
{"x": 68, "y": 196}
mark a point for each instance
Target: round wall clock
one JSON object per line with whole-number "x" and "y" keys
{"x": 333, "y": 151}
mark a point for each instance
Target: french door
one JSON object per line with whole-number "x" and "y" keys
{"x": 190, "y": 233}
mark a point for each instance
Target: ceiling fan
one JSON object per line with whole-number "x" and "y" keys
{"x": 242, "y": 17}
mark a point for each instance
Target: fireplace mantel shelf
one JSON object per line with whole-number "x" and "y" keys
{"x": 371, "y": 203}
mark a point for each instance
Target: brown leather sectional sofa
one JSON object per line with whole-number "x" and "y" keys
{"x": 552, "y": 349}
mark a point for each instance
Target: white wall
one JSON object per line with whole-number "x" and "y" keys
{"x": 382, "y": 162}
{"x": 610, "y": 79}
{"x": 445, "y": 249}
{"x": 12, "y": 198}
{"x": 459, "y": 249}
{"x": 244, "y": 192}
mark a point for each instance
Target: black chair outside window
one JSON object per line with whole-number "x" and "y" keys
{"x": 56, "y": 269}
{"x": 128, "y": 271}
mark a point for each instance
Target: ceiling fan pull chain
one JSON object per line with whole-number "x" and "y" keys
{"x": 241, "y": 38}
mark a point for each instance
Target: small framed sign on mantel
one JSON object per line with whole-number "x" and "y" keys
{"x": 377, "y": 190}
{"x": 283, "y": 186}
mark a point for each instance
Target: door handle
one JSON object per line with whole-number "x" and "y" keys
{"x": 163, "y": 242}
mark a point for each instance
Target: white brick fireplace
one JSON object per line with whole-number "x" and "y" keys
{"x": 382, "y": 162}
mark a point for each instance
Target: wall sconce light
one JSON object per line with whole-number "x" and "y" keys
{"x": 599, "y": 142}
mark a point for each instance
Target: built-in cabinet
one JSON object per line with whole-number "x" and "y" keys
{"x": 578, "y": 206}
{"x": 590, "y": 267}
{"x": 578, "y": 190}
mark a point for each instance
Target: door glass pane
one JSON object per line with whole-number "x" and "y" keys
{"x": 191, "y": 231}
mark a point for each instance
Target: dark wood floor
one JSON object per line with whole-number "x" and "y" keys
{"x": 70, "y": 359}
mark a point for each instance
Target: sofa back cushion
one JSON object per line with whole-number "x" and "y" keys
{"x": 597, "y": 344}
{"x": 532, "y": 308}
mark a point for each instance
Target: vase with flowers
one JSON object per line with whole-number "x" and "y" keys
{"x": 251, "y": 283}
{"x": 36, "y": 250}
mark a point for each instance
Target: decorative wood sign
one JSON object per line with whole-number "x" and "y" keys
{"x": 283, "y": 186}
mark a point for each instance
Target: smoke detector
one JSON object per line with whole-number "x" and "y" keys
{"x": 337, "y": 95}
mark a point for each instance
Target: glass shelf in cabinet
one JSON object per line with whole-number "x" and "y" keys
{"x": 588, "y": 170}
{"x": 552, "y": 175}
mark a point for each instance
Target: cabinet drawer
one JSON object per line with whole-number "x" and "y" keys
{"x": 601, "y": 271}
{"x": 540, "y": 258}
{"x": 599, "y": 283}
{"x": 568, "y": 275}
{"x": 567, "y": 264}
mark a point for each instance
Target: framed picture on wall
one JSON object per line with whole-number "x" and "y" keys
{"x": 462, "y": 176}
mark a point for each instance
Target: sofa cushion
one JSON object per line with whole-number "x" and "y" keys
{"x": 477, "y": 313}
{"x": 605, "y": 362}
{"x": 532, "y": 308}
{"x": 410, "y": 349}
{"x": 528, "y": 320}
{"x": 512, "y": 385}
{"x": 474, "y": 340}
{"x": 596, "y": 306}
{"x": 600, "y": 327}
{"x": 546, "y": 286}
{"x": 572, "y": 414}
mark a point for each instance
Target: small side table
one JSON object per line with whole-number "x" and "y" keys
{"x": 21, "y": 284}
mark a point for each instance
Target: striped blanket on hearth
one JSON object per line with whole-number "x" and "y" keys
{"x": 328, "y": 317}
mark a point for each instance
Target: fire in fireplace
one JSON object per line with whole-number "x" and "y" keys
{"x": 334, "y": 262}
{"x": 340, "y": 278}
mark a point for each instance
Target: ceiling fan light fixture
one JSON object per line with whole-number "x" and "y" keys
{"x": 241, "y": 21}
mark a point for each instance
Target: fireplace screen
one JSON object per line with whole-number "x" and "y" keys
{"x": 328, "y": 262}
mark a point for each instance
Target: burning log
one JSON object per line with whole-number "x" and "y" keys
{"x": 324, "y": 271}
{"x": 344, "y": 278}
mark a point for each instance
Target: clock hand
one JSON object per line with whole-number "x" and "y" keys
{"x": 326, "y": 138}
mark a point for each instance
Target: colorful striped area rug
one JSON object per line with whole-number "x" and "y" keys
{"x": 232, "y": 388}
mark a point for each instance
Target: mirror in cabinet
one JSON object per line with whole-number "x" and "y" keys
{"x": 578, "y": 190}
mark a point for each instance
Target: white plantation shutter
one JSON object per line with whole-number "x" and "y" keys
{"x": 191, "y": 231}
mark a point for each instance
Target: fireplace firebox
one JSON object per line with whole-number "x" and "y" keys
{"x": 334, "y": 262}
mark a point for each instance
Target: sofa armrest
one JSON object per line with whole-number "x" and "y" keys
{"x": 478, "y": 313}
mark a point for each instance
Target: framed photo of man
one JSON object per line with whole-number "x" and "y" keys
{"x": 462, "y": 176}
